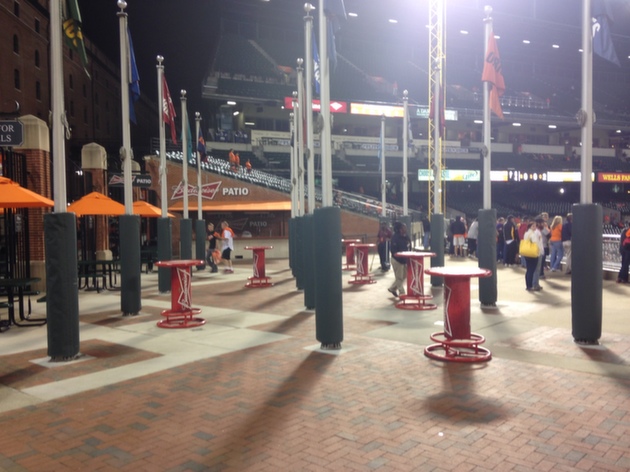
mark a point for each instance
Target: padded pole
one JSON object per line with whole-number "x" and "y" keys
{"x": 298, "y": 244}
{"x": 487, "y": 256}
{"x": 437, "y": 246}
{"x": 164, "y": 252}
{"x": 62, "y": 289}
{"x": 185, "y": 239}
{"x": 130, "y": 264}
{"x": 328, "y": 291}
{"x": 308, "y": 253}
{"x": 200, "y": 242}
{"x": 586, "y": 274}
{"x": 291, "y": 245}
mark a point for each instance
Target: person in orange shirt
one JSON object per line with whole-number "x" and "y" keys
{"x": 248, "y": 166}
{"x": 237, "y": 162}
{"x": 232, "y": 159}
{"x": 555, "y": 243}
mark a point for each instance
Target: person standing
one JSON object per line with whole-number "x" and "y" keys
{"x": 458, "y": 229}
{"x": 473, "y": 234}
{"x": 555, "y": 243}
{"x": 400, "y": 242}
{"x": 522, "y": 229}
{"x": 567, "y": 233}
{"x": 510, "y": 236}
{"x": 227, "y": 239}
{"x": 545, "y": 231}
{"x": 532, "y": 234}
{"x": 383, "y": 239}
{"x": 539, "y": 227}
{"x": 624, "y": 250}
{"x": 212, "y": 247}
{"x": 500, "y": 239}
{"x": 426, "y": 228}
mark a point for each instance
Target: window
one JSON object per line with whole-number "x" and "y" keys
{"x": 16, "y": 79}
{"x": 38, "y": 90}
{"x": 36, "y": 25}
{"x": 16, "y": 8}
{"x": 71, "y": 82}
{"x": 16, "y": 44}
{"x": 36, "y": 58}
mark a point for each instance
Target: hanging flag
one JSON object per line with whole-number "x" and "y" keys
{"x": 602, "y": 40}
{"x": 409, "y": 134}
{"x": 316, "y": 71}
{"x": 335, "y": 11}
{"x": 134, "y": 79}
{"x": 201, "y": 147}
{"x": 72, "y": 30}
{"x": 493, "y": 73}
{"x": 168, "y": 110}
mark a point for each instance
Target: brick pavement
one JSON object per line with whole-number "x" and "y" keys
{"x": 377, "y": 405}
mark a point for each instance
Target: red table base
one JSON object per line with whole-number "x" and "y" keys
{"x": 411, "y": 302}
{"x": 458, "y": 350}
{"x": 349, "y": 243}
{"x": 362, "y": 275}
{"x": 259, "y": 279}
{"x": 181, "y": 313}
{"x": 416, "y": 298}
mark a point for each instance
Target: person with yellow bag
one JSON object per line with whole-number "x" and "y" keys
{"x": 532, "y": 249}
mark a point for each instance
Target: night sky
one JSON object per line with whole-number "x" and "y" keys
{"x": 183, "y": 31}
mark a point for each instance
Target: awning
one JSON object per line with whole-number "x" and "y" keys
{"x": 233, "y": 206}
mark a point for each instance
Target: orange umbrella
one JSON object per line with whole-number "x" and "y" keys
{"x": 96, "y": 203}
{"x": 147, "y": 210}
{"x": 13, "y": 195}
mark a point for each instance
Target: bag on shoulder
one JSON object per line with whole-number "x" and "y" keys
{"x": 528, "y": 248}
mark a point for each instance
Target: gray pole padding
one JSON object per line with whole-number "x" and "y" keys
{"x": 62, "y": 290}
{"x": 130, "y": 264}
{"x": 308, "y": 253}
{"x": 164, "y": 252}
{"x": 328, "y": 289}
{"x": 185, "y": 239}
{"x": 586, "y": 273}
{"x": 487, "y": 256}
{"x": 200, "y": 242}
{"x": 298, "y": 244}
{"x": 437, "y": 246}
{"x": 291, "y": 244}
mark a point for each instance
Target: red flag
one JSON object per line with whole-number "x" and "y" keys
{"x": 168, "y": 110}
{"x": 493, "y": 73}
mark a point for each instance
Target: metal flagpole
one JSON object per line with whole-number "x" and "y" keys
{"x": 300, "y": 134}
{"x": 405, "y": 152}
{"x": 487, "y": 119}
{"x": 184, "y": 151}
{"x": 585, "y": 116}
{"x": 198, "y": 154}
{"x": 324, "y": 97}
{"x": 294, "y": 181}
{"x": 381, "y": 147}
{"x": 129, "y": 224}
{"x": 308, "y": 109}
{"x": 164, "y": 225}
{"x": 437, "y": 126}
{"x": 60, "y": 227}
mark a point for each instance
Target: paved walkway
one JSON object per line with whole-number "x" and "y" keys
{"x": 250, "y": 390}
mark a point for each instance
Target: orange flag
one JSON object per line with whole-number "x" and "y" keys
{"x": 492, "y": 73}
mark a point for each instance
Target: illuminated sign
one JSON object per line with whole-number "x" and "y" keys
{"x": 374, "y": 109}
{"x": 613, "y": 177}
{"x": 498, "y": 175}
{"x": 207, "y": 190}
{"x": 335, "y": 107}
{"x": 449, "y": 115}
{"x": 451, "y": 175}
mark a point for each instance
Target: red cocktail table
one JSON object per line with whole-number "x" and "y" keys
{"x": 349, "y": 244}
{"x": 362, "y": 275}
{"x": 259, "y": 278}
{"x": 181, "y": 313}
{"x": 415, "y": 298}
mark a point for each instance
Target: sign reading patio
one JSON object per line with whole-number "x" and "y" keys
{"x": 137, "y": 180}
{"x": 11, "y": 133}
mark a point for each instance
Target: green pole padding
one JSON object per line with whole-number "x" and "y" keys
{"x": 487, "y": 256}
{"x": 328, "y": 288}
{"x": 62, "y": 287}
{"x": 298, "y": 260}
{"x": 586, "y": 273}
{"x": 185, "y": 239}
{"x": 164, "y": 252}
{"x": 291, "y": 244}
{"x": 200, "y": 242}
{"x": 308, "y": 253}
{"x": 437, "y": 246}
{"x": 130, "y": 264}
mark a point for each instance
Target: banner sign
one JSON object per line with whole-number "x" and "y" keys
{"x": 137, "y": 180}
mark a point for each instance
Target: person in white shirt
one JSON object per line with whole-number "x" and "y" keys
{"x": 227, "y": 240}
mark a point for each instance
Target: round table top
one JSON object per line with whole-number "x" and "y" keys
{"x": 414, "y": 254}
{"x": 455, "y": 271}
{"x": 348, "y": 241}
{"x": 180, "y": 263}
{"x": 365, "y": 245}
{"x": 253, "y": 248}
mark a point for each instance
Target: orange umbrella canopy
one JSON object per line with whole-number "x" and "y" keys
{"x": 96, "y": 203}
{"x": 13, "y": 195}
{"x": 147, "y": 210}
